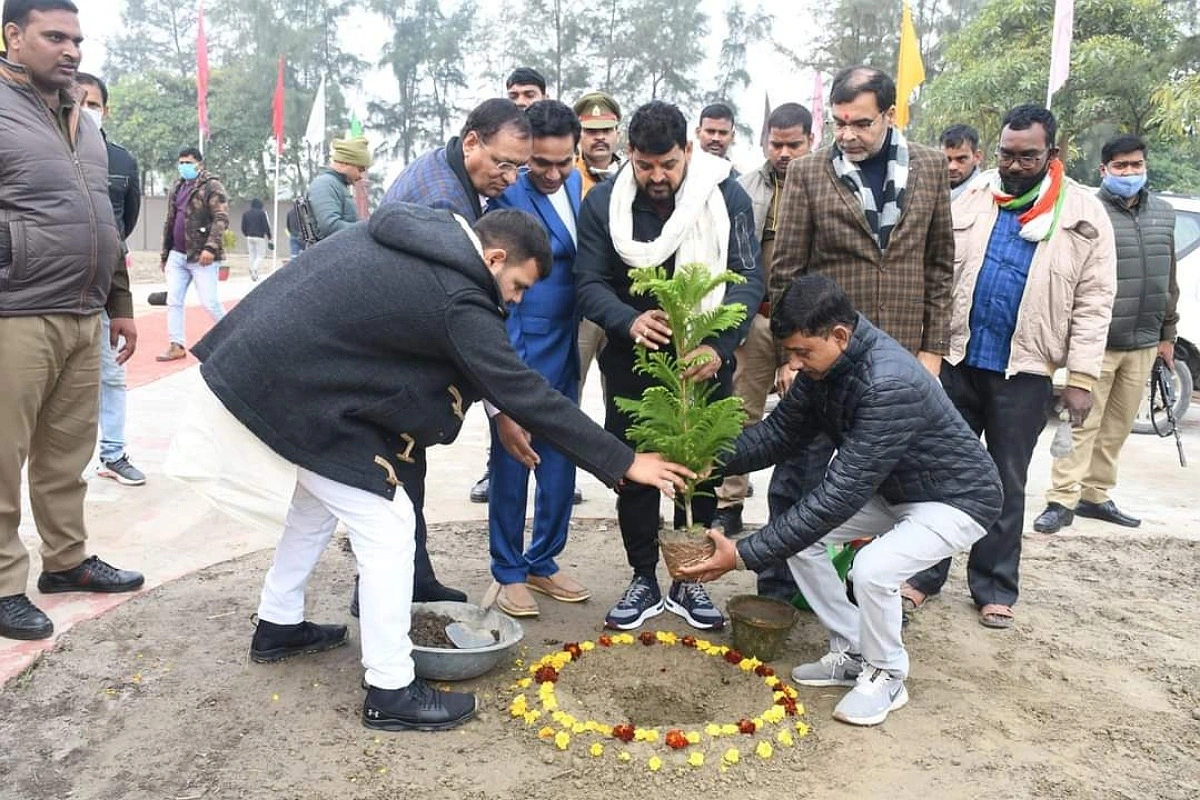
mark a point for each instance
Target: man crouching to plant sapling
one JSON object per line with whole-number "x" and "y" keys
{"x": 908, "y": 471}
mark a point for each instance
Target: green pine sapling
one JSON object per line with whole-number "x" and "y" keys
{"x": 678, "y": 417}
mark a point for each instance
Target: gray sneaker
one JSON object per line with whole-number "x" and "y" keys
{"x": 122, "y": 472}
{"x": 834, "y": 669}
{"x": 876, "y": 693}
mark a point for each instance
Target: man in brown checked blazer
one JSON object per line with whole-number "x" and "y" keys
{"x": 872, "y": 212}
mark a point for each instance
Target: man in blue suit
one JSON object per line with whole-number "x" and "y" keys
{"x": 543, "y": 330}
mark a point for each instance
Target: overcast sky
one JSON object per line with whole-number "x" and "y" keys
{"x": 101, "y": 19}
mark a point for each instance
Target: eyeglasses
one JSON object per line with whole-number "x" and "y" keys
{"x": 858, "y": 125}
{"x": 507, "y": 168}
{"x": 1026, "y": 160}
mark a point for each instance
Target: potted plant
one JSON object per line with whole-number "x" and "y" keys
{"x": 678, "y": 416}
{"x": 228, "y": 241}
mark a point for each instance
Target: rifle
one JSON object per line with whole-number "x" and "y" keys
{"x": 1162, "y": 385}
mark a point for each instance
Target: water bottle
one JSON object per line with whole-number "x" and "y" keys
{"x": 1063, "y": 444}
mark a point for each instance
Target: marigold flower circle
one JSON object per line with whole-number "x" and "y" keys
{"x": 542, "y": 707}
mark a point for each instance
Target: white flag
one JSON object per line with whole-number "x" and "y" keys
{"x": 314, "y": 134}
{"x": 1060, "y": 46}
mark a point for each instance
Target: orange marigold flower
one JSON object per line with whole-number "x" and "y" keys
{"x": 624, "y": 732}
{"x": 676, "y": 739}
{"x": 763, "y": 671}
{"x": 647, "y": 638}
{"x": 546, "y": 674}
{"x": 605, "y": 641}
{"x": 688, "y": 641}
{"x": 746, "y": 726}
{"x": 733, "y": 657}
{"x": 574, "y": 649}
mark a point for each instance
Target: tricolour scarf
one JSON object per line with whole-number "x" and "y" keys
{"x": 697, "y": 230}
{"x": 1047, "y": 201}
{"x": 880, "y": 220}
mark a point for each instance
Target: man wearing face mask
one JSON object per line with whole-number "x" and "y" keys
{"x": 193, "y": 245}
{"x": 1033, "y": 292}
{"x": 1143, "y": 327}
{"x": 125, "y": 194}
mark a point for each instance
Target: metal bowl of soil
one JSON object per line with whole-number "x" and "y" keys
{"x": 435, "y": 655}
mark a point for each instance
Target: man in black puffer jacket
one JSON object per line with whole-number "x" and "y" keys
{"x": 908, "y": 471}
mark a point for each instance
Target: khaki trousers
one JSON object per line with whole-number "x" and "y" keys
{"x": 752, "y": 381}
{"x": 50, "y": 385}
{"x": 1091, "y": 470}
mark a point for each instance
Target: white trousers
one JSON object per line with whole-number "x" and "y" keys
{"x": 382, "y": 535}
{"x": 911, "y": 537}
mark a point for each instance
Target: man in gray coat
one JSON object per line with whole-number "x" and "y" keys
{"x": 1142, "y": 328}
{"x": 367, "y": 350}
{"x": 61, "y": 264}
{"x": 329, "y": 194}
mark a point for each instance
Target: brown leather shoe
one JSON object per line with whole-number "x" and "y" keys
{"x": 515, "y": 600}
{"x": 559, "y": 586}
{"x": 174, "y": 353}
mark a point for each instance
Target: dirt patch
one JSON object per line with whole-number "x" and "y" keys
{"x": 429, "y": 630}
{"x": 1094, "y": 693}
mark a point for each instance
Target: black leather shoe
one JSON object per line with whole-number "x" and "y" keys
{"x": 730, "y": 519}
{"x": 354, "y": 599}
{"x": 21, "y": 619}
{"x": 416, "y": 707}
{"x": 1108, "y": 512}
{"x": 273, "y": 642}
{"x": 433, "y": 592}
{"x": 1054, "y": 518}
{"x": 479, "y": 492}
{"x": 93, "y": 575}
{"x": 577, "y": 498}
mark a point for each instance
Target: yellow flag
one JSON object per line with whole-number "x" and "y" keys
{"x": 911, "y": 72}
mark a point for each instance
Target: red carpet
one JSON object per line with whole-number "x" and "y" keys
{"x": 152, "y": 341}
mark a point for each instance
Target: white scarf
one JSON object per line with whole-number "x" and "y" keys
{"x": 697, "y": 231}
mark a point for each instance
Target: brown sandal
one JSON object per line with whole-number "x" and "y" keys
{"x": 994, "y": 615}
{"x": 911, "y": 599}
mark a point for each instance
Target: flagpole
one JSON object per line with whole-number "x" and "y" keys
{"x": 275, "y": 216}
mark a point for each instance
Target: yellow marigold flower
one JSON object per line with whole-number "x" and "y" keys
{"x": 785, "y": 738}
{"x": 578, "y": 727}
{"x": 639, "y": 734}
{"x": 693, "y": 737}
{"x": 587, "y": 646}
{"x": 696, "y": 759}
{"x": 655, "y": 763}
{"x": 764, "y": 749}
{"x": 777, "y": 696}
{"x": 652, "y": 735}
{"x": 758, "y": 723}
{"x": 800, "y": 709}
{"x": 755, "y": 662}
{"x": 623, "y": 638}
{"x": 624, "y": 756}
{"x": 590, "y": 725}
{"x": 546, "y": 733}
{"x": 603, "y": 730}
{"x": 729, "y": 729}
{"x": 520, "y": 662}
{"x": 666, "y": 637}
{"x": 772, "y": 681}
{"x": 712, "y": 729}
{"x": 732, "y": 756}
{"x": 524, "y": 683}
{"x": 774, "y": 714}
{"x": 802, "y": 729}
{"x": 519, "y": 706}
{"x": 532, "y": 716}
{"x": 549, "y": 702}
{"x": 703, "y": 645}
{"x": 596, "y": 749}
{"x": 562, "y": 739}
{"x": 746, "y": 665}
{"x": 790, "y": 692}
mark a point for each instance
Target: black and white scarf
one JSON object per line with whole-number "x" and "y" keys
{"x": 881, "y": 220}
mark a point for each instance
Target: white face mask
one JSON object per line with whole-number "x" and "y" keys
{"x": 96, "y": 116}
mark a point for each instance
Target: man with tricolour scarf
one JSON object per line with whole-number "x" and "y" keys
{"x": 872, "y": 212}
{"x": 1035, "y": 275}
{"x": 670, "y": 205}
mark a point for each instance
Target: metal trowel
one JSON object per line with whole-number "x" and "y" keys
{"x": 467, "y": 638}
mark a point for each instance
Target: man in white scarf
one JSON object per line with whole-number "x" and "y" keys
{"x": 670, "y": 204}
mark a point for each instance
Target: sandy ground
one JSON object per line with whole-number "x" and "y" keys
{"x": 1095, "y": 693}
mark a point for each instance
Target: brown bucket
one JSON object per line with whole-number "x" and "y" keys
{"x": 760, "y": 625}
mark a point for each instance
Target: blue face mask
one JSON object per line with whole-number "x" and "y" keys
{"x": 1125, "y": 186}
{"x": 188, "y": 171}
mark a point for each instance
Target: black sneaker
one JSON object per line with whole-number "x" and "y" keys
{"x": 641, "y": 601}
{"x": 416, "y": 707}
{"x": 479, "y": 492}
{"x": 21, "y": 619}
{"x": 690, "y": 601}
{"x": 122, "y": 471}
{"x": 273, "y": 642}
{"x": 729, "y": 519}
{"x": 93, "y": 575}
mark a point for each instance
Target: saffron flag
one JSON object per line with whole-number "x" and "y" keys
{"x": 277, "y": 109}
{"x": 1060, "y": 46}
{"x": 202, "y": 77}
{"x": 818, "y": 110}
{"x": 910, "y": 73}
{"x": 314, "y": 133}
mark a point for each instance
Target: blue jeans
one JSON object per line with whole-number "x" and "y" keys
{"x": 296, "y": 244}
{"x": 112, "y": 396}
{"x": 180, "y": 274}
